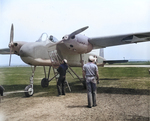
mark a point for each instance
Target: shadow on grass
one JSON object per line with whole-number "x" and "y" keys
{"x": 76, "y": 87}
{"x": 109, "y": 79}
{"x": 113, "y": 90}
{"x": 110, "y": 90}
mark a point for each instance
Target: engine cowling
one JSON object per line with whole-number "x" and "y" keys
{"x": 78, "y": 44}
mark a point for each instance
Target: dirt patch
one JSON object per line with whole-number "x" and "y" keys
{"x": 73, "y": 107}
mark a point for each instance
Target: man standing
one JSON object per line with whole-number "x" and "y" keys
{"x": 90, "y": 74}
{"x": 62, "y": 76}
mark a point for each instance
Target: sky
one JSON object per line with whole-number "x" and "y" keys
{"x": 60, "y": 17}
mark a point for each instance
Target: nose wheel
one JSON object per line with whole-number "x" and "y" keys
{"x": 29, "y": 91}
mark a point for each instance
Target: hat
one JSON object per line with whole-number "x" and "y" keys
{"x": 65, "y": 60}
{"x": 91, "y": 58}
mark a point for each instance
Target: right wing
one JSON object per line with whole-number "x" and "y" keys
{"x": 5, "y": 51}
{"x": 102, "y": 42}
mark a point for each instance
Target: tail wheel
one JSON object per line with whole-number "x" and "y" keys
{"x": 29, "y": 91}
{"x": 44, "y": 82}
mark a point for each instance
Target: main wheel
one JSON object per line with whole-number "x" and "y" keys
{"x": 44, "y": 82}
{"x": 29, "y": 91}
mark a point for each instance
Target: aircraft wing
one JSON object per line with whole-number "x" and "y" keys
{"x": 5, "y": 51}
{"x": 102, "y": 42}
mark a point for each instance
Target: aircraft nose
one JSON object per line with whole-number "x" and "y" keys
{"x": 22, "y": 53}
{"x": 25, "y": 51}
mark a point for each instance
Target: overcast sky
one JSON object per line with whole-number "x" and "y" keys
{"x": 60, "y": 17}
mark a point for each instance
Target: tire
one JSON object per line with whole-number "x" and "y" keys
{"x": 29, "y": 91}
{"x": 44, "y": 82}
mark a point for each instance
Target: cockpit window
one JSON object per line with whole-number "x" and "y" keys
{"x": 53, "y": 39}
{"x": 44, "y": 37}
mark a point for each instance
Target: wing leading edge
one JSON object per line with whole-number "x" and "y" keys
{"x": 102, "y": 42}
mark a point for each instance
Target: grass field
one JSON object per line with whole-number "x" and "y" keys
{"x": 127, "y": 80}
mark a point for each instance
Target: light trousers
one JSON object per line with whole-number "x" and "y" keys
{"x": 91, "y": 93}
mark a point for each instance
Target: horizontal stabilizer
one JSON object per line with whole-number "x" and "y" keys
{"x": 115, "y": 61}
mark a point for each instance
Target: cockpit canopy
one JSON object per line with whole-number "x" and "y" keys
{"x": 44, "y": 37}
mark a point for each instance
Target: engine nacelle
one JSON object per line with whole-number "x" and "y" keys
{"x": 79, "y": 44}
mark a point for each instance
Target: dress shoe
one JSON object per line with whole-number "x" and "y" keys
{"x": 95, "y": 105}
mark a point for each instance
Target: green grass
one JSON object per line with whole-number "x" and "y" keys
{"x": 123, "y": 72}
{"x": 127, "y": 77}
{"x": 127, "y": 80}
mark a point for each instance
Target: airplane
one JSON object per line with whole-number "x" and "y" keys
{"x": 74, "y": 47}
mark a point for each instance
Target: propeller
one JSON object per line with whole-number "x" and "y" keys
{"x": 11, "y": 44}
{"x": 72, "y": 35}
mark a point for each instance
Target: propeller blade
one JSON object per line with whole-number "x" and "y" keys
{"x": 67, "y": 37}
{"x": 11, "y": 33}
{"x": 77, "y": 32}
{"x": 10, "y": 58}
{"x": 11, "y": 42}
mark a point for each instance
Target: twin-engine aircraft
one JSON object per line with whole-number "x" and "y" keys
{"x": 74, "y": 47}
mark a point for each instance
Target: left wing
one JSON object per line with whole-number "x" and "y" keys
{"x": 102, "y": 42}
{"x": 5, "y": 51}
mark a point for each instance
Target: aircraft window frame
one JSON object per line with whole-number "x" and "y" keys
{"x": 54, "y": 39}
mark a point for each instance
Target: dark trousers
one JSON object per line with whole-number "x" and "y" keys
{"x": 61, "y": 85}
{"x": 91, "y": 93}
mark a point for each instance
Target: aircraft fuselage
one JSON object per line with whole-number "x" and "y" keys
{"x": 35, "y": 53}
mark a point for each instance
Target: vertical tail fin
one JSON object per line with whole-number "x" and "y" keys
{"x": 101, "y": 52}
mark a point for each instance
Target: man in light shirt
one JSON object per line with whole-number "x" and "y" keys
{"x": 90, "y": 74}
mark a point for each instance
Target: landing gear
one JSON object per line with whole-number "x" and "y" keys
{"x": 29, "y": 91}
{"x": 44, "y": 82}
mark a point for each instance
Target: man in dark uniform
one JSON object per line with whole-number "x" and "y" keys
{"x": 62, "y": 76}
